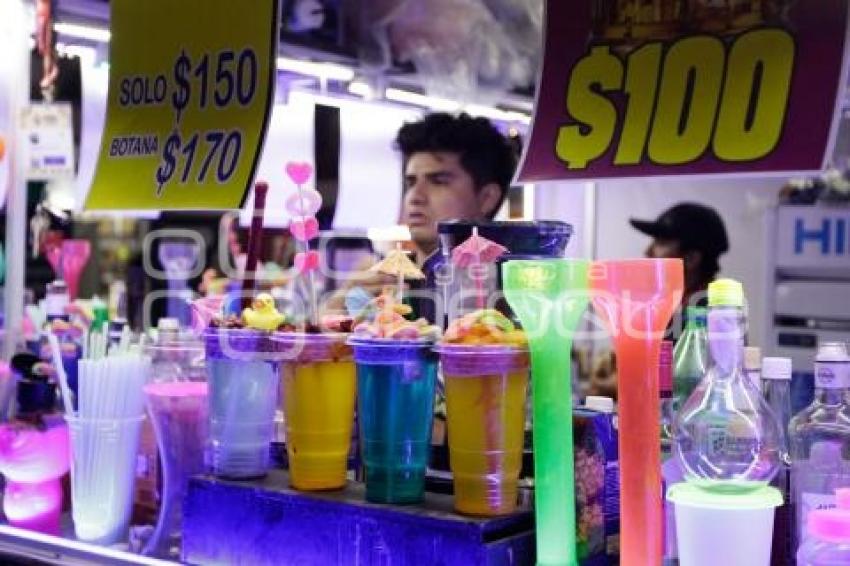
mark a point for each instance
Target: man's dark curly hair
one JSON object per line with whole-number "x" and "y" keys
{"x": 484, "y": 152}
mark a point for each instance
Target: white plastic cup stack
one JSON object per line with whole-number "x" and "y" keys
{"x": 732, "y": 529}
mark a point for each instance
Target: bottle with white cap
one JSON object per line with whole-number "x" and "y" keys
{"x": 819, "y": 438}
{"x": 752, "y": 365}
{"x": 776, "y": 387}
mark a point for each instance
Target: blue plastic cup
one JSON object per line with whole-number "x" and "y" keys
{"x": 244, "y": 379}
{"x": 395, "y": 382}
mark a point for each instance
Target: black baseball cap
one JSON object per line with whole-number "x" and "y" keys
{"x": 694, "y": 226}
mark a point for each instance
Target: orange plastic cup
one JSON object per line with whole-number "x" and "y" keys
{"x": 486, "y": 388}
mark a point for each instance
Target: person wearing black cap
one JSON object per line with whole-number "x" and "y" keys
{"x": 693, "y": 232}
{"x": 696, "y": 234}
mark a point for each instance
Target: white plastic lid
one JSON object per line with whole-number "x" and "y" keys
{"x": 752, "y": 358}
{"x": 832, "y": 366}
{"x": 832, "y": 352}
{"x": 776, "y": 368}
{"x": 599, "y": 403}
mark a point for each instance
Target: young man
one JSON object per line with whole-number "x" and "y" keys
{"x": 455, "y": 167}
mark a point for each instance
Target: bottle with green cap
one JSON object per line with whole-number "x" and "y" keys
{"x": 690, "y": 355}
{"x": 727, "y": 437}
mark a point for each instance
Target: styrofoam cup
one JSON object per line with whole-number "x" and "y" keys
{"x": 733, "y": 529}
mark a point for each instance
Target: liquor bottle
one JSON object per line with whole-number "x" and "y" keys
{"x": 819, "y": 438}
{"x": 690, "y": 356}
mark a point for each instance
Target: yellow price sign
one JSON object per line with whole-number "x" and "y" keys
{"x": 191, "y": 85}
{"x": 638, "y": 89}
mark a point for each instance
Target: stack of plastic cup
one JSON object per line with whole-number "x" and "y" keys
{"x": 396, "y": 381}
{"x": 103, "y": 468}
{"x": 242, "y": 366}
{"x": 318, "y": 396}
{"x": 714, "y": 527}
{"x": 486, "y": 388}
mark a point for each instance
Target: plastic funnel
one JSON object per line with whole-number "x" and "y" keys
{"x": 75, "y": 255}
{"x": 549, "y": 297}
{"x": 636, "y": 299}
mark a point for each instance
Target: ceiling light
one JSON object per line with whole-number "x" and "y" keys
{"x": 360, "y": 88}
{"x": 327, "y": 71}
{"x": 497, "y": 114}
{"x": 83, "y": 32}
{"x": 433, "y": 102}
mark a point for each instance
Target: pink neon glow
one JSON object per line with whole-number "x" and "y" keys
{"x": 177, "y": 389}
{"x": 75, "y": 255}
{"x": 31, "y": 456}
{"x": 33, "y": 461}
{"x": 34, "y": 506}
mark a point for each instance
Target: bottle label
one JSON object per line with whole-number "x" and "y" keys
{"x": 813, "y": 502}
{"x": 832, "y": 375}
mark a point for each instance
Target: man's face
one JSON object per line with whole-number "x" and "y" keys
{"x": 437, "y": 188}
{"x": 661, "y": 249}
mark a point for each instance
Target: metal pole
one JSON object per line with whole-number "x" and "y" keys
{"x": 17, "y": 82}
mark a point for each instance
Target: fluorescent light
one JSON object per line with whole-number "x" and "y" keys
{"x": 326, "y": 71}
{"x": 359, "y": 88}
{"x": 83, "y": 32}
{"x": 433, "y": 102}
{"x": 497, "y": 114}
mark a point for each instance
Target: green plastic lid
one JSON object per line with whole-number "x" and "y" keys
{"x": 100, "y": 313}
{"x": 725, "y": 293}
{"x": 690, "y": 494}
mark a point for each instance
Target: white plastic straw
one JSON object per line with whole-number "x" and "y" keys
{"x": 60, "y": 371}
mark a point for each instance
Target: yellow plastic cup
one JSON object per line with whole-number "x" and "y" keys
{"x": 486, "y": 389}
{"x": 319, "y": 391}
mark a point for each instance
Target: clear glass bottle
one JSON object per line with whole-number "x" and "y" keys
{"x": 776, "y": 387}
{"x": 668, "y": 464}
{"x": 828, "y": 535}
{"x": 752, "y": 366}
{"x": 819, "y": 438}
{"x": 727, "y": 437}
{"x": 668, "y": 402}
{"x": 690, "y": 355}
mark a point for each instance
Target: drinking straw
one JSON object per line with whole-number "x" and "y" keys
{"x": 255, "y": 242}
{"x": 313, "y": 314}
{"x": 60, "y": 372}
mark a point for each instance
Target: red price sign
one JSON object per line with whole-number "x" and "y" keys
{"x": 652, "y": 90}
